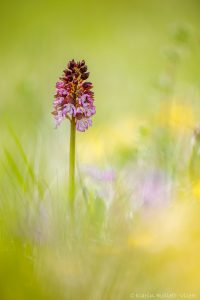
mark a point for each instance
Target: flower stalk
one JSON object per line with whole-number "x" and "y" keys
{"x": 72, "y": 151}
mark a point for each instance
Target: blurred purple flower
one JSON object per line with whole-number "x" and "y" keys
{"x": 107, "y": 175}
{"x": 153, "y": 188}
{"x": 149, "y": 188}
{"x": 101, "y": 181}
{"x": 74, "y": 96}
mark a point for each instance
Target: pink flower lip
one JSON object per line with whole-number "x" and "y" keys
{"x": 83, "y": 124}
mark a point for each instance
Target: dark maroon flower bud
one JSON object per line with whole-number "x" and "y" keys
{"x": 82, "y": 63}
{"x": 76, "y": 75}
{"x": 67, "y": 72}
{"x": 87, "y": 85}
{"x": 69, "y": 78}
{"x": 85, "y": 76}
{"x": 71, "y": 64}
{"x": 83, "y": 69}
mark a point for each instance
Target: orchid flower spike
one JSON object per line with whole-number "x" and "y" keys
{"x": 74, "y": 97}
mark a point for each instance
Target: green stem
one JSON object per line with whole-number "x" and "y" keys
{"x": 72, "y": 165}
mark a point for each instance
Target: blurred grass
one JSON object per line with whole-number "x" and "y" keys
{"x": 137, "y": 207}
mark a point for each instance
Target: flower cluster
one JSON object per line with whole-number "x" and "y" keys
{"x": 74, "y": 97}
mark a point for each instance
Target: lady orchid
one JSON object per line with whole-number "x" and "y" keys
{"x": 74, "y": 100}
{"x": 74, "y": 97}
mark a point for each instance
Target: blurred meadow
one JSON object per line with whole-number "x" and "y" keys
{"x": 136, "y": 233}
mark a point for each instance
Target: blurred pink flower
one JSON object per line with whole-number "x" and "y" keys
{"x": 101, "y": 181}
{"x": 154, "y": 188}
{"x": 148, "y": 187}
{"x": 95, "y": 173}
